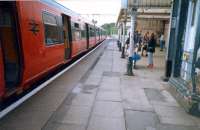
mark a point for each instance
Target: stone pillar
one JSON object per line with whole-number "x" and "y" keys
{"x": 172, "y": 33}
{"x": 123, "y": 40}
{"x": 133, "y": 13}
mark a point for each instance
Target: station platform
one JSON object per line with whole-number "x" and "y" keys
{"x": 107, "y": 99}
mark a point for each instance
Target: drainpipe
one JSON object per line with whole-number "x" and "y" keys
{"x": 133, "y": 12}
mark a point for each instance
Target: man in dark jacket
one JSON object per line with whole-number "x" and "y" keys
{"x": 151, "y": 50}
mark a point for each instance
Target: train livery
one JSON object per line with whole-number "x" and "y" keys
{"x": 37, "y": 37}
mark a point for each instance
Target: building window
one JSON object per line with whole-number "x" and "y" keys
{"x": 194, "y": 3}
{"x": 52, "y": 35}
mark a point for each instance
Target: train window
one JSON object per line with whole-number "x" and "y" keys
{"x": 83, "y": 31}
{"x": 5, "y": 19}
{"x": 92, "y": 32}
{"x": 52, "y": 35}
{"x": 76, "y": 32}
{"x": 76, "y": 25}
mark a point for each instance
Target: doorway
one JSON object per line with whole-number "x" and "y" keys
{"x": 10, "y": 44}
{"x": 87, "y": 35}
{"x": 66, "y": 33}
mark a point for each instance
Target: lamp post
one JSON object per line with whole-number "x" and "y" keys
{"x": 133, "y": 12}
{"x": 123, "y": 40}
{"x": 94, "y": 22}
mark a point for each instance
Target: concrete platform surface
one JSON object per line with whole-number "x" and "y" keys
{"x": 120, "y": 102}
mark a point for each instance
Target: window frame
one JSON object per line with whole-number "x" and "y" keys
{"x": 58, "y": 28}
{"x": 75, "y": 29}
{"x": 83, "y": 31}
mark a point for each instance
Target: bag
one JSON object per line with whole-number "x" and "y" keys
{"x": 139, "y": 48}
{"x": 145, "y": 47}
{"x": 151, "y": 49}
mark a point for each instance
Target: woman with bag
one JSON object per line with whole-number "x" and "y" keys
{"x": 151, "y": 49}
{"x": 145, "y": 42}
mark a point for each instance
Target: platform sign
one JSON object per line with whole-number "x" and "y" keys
{"x": 124, "y": 4}
{"x": 186, "y": 56}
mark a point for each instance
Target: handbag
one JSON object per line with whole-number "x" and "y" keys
{"x": 151, "y": 49}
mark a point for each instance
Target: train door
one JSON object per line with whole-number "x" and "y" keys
{"x": 10, "y": 44}
{"x": 87, "y": 35}
{"x": 67, "y": 32}
{"x": 2, "y": 82}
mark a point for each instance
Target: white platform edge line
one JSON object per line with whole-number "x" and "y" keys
{"x": 34, "y": 91}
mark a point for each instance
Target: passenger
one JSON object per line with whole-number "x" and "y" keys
{"x": 145, "y": 42}
{"x": 136, "y": 40}
{"x": 127, "y": 42}
{"x": 136, "y": 37}
{"x": 139, "y": 41}
{"x": 162, "y": 42}
{"x": 151, "y": 49}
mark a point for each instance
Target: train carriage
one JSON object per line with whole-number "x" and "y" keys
{"x": 37, "y": 37}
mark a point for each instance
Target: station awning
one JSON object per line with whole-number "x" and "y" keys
{"x": 148, "y": 3}
{"x": 146, "y": 9}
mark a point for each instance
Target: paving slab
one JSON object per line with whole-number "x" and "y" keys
{"x": 174, "y": 127}
{"x": 108, "y": 109}
{"x": 109, "y": 87}
{"x": 62, "y": 126}
{"x": 104, "y": 95}
{"x": 135, "y": 99}
{"x": 75, "y": 115}
{"x": 138, "y": 120}
{"x": 174, "y": 115}
{"x": 102, "y": 123}
{"x": 92, "y": 89}
{"x": 94, "y": 79}
{"x": 154, "y": 94}
{"x": 111, "y": 74}
{"x": 111, "y": 80}
{"x": 83, "y": 100}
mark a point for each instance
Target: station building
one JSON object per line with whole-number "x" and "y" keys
{"x": 183, "y": 53}
{"x": 179, "y": 20}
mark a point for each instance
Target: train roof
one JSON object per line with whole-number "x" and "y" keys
{"x": 66, "y": 10}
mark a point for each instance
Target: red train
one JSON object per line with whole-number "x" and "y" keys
{"x": 37, "y": 37}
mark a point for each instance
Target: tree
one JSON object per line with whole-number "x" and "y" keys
{"x": 110, "y": 28}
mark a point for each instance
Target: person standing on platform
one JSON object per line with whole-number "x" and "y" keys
{"x": 151, "y": 49}
{"x": 139, "y": 41}
{"x": 145, "y": 42}
{"x": 162, "y": 42}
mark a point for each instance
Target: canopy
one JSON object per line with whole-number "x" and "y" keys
{"x": 146, "y": 9}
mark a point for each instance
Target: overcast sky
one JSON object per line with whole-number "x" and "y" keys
{"x": 107, "y": 10}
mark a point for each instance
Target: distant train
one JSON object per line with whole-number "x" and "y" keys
{"x": 36, "y": 37}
